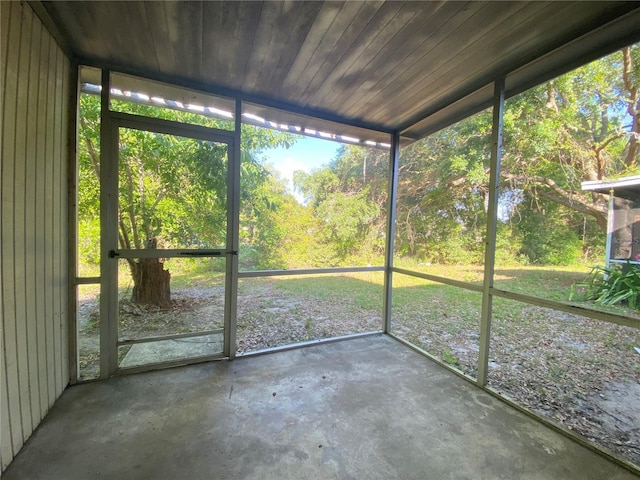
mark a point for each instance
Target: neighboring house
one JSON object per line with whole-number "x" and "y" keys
{"x": 623, "y": 226}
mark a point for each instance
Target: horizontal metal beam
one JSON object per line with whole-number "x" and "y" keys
{"x": 169, "y": 127}
{"x": 604, "y": 40}
{"x": 170, "y": 253}
{"x": 568, "y": 308}
{"x": 170, "y": 337}
{"x": 215, "y": 89}
{"x": 422, "y": 351}
{"x": 293, "y": 346}
{"x": 307, "y": 271}
{"x": 305, "y": 132}
{"x": 88, "y": 280}
{"x": 169, "y": 364}
{"x": 436, "y": 278}
{"x": 539, "y": 302}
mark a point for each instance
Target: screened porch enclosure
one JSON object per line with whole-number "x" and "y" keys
{"x": 223, "y": 183}
{"x": 378, "y": 238}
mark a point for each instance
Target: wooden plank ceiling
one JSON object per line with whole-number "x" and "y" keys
{"x": 383, "y": 65}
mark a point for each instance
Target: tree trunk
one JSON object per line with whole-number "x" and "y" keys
{"x": 151, "y": 282}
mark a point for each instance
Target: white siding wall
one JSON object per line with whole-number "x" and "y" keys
{"x": 34, "y": 357}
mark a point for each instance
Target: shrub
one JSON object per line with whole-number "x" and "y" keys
{"x": 619, "y": 284}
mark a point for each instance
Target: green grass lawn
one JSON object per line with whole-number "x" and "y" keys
{"x": 364, "y": 290}
{"x": 361, "y": 290}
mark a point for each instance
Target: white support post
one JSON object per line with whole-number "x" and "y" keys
{"x": 108, "y": 236}
{"x": 233, "y": 238}
{"x": 72, "y": 219}
{"x": 394, "y": 158}
{"x": 490, "y": 241}
{"x": 610, "y": 228}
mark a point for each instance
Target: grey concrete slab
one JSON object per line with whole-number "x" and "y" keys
{"x": 367, "y": 408}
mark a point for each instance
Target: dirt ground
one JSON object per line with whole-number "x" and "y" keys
{"x": 583, "y": 374}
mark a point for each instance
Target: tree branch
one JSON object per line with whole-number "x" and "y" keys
{"x": 159, "y": 198}
{"x": 93, "y": 155}
{"x": 130, "y": 212}
{"x": 633, "y": 108}
{"x": 601, "y": 146}
{"x": 124, "y": 236}
{"x": 554, "y": 192}
{"x": 627, "y": 68}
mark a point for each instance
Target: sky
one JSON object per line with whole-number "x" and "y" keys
{"x": 305, "y": 154}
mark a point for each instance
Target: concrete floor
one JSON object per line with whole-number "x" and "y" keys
{"x": 366, "y": 408}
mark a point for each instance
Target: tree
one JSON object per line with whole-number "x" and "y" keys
{"x": 442, "y": 193}
{"x": 581, "y": 126}
{"x": 172, "y": 190}
{"x": 263, "y": 199}
{"x": 349, "y": 199}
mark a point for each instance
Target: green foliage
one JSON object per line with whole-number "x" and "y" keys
{"x": 318, "y": 185}
{"x": 262, "y": 197}
{"x": 346, "y": 219}
{"x": 619, "y": 284}
{"x": 174, "y": 188}
{"x": 89, "y": 242}
{"x": 448, "y": 356}
{"x": 343, "y": 219}
{"x": 541, "y": 245}
{"x": 576, "y": 127}
{"x": 442, "y": 194}
{"x": 301, "y": 237}
{"x": 508, "y": 246}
